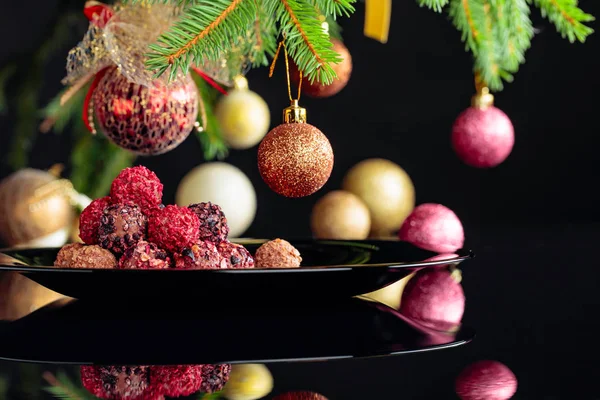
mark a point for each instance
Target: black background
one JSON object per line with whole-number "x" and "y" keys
{"x": 532, "y": 220}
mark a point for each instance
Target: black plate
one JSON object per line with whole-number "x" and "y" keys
{"x": 330, "y": 269}
{"x": 77, "y": 332}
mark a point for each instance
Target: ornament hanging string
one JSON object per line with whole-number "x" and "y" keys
{"x": 287, "y": 71}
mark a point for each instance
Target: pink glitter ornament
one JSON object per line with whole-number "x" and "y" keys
{"x": 433, "y": 227}
{"x": 434, "y": 297}
{"x": 486, "y": 380}
{"x": 482, "y": 135}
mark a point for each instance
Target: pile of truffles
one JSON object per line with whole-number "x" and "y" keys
{"x": 132, "y": 229}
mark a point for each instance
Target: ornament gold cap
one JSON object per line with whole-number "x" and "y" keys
{"x": 294, "y": 113}
{"x": 240, "y": 82}
{"x": 483, "y": 99}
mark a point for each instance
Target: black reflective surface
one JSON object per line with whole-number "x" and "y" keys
{"x": 330, "y": 270}
{"x": 76, "y": 332}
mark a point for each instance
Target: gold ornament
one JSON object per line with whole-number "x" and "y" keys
{"x": 377, "y": 19}
{"x": 20, "y": 296}
{"x": 390, "y": 295}
{"x": 386, "y": 189}
{"x": 295, "y": 159}
{"x": 36, "y": 209}
{"x": 248, "y": 382}
{"x": 340, "y": 215}
{"x": 243, "y": 116}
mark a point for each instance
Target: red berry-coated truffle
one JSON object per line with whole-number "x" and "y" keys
{"x": 144, "y": 255}
{"x": 300, "y": 396}
{"x": 139, "y": 186}
{"x": 214, "y": 377}
{"x": 433, "y": 227}
{"x": 202, "y": 255}
{"x": 213, "y": 224}
{"x": 486, "y": 380}
{"x": 435, "y": 298}
{"x": 89, "y": 220}
{"x": 174, "y": 228}
{"x": 116, "y": 382}
{"x": 121, "y": 226}
{"x": 176, "y": 380}
{"x": 234, "y": 255}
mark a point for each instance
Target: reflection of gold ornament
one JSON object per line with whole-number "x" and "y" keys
{"x": 391, "y": 294}
{"x": 248, "y": 382}
{"x": 224, "y": 185}
{"x": 35, "y": 209}
{"x": 386, "y": 189}
{"x": 20, "y": 296}
{"x": 340, "y": 215}
{"x": 243, "y": 116}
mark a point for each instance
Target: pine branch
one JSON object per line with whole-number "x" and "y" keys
{"x": 335, "y": 8}
{"x": 61, "y": 387}
{"x": 335, "y": 30}
{"x": 307, "y": 44}
{"x": 201, "y": 33}
{"x": 567, "y": 17}
{"x": 435, "y": 5}
{"x": 515, "y": 21}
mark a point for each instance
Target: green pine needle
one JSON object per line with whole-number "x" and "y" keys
{"x": 335, "y": 30}
{"x": 61, "y": 115}
{"x": 335, "y": 8}
{"x": 567, "y": 17}
{"x": 435, "y": 5}
{"x": 61, "y": 387}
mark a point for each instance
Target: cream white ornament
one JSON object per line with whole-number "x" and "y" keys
{"x": 243, "y": 116}
{"x": 248, "y": 382}
{"x": 222, "y": 184}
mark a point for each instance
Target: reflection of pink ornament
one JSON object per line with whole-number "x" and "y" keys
{"x": 300, "y": 396}
{"x": 483, "y": 137}
{"x": 486, "y": 380}
{"x": 440, "y": 257}
{"x": 435, "y": 298}
{"x": 433, "y": 227}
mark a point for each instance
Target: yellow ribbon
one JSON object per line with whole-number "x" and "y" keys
{"x": 377, "y": 19}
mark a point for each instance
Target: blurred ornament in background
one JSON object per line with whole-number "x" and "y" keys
{"x": 248, "y": 382}
{"x": 222, "y": 184}
{"x": 20, "y": 296}
{"x": 435, "y": 298}
{"x": 386, "y": 189}
{"x": 486, "y": 380}
{"x": 433, "y": 227}
{"x": 340, "y": 215}
{"x": 36, "y": 209}
{"x": 300, "y": 396}
{"x": 483, "y": 136}
{"x": 243, "y": 116}
{"x": 144, "y": 120}
{"x": 343, "y": 71}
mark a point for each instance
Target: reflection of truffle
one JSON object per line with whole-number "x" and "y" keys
{"x": 89, "y": 220}
{"x": 121, "y": 226}
{"x": 144, "y": 255}
{"x": 137, "y": 185}
{"x": 277, "y": 253}
{"x": 235, "y": 256}
{"x": 213, "y": 224}
{"x": 174, "y": 228}
{"x": 202, "y": 255}
{"x": 176, "y": 380}
{"x": 77, "y": 255}
{"x": 214, "y": 377}
{"x": 116, "y": 382}
{"x": 300, "y": 396}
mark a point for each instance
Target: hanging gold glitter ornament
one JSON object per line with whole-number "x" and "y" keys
{"x": 295, "y": 159}
{"x": 36, "y": 209}
{"x": 243, "y": 116}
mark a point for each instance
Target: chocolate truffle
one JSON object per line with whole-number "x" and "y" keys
{"x": 277, "y": 253}
{"x": 213, "y": 224}
{"x": 77, "y": 255}
{"x": 235, "y": 256}
{"x": 214, "y": 377}
{"x": 121, "y": 226}
{"x": 144, "y": 255}
{"x": 202, "y": 255}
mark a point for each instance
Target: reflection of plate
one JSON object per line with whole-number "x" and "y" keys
{"x": 331, "y": 269}
{"x": 82, "y": 333}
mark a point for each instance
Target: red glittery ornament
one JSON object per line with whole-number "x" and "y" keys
{"x": 89, "y": 220}
{"x": 300, "y": 396}
{"x": 173, "y": 228}
{"x": 295, "y": 159}
{"x": 145, "y": 120}
{"x": 482, "y": 135}
{"x": 137, "y": 185}
{"x": 433, "y": 227}
{"x": 486, "y": 380}
{"x": 434, "y": 297}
